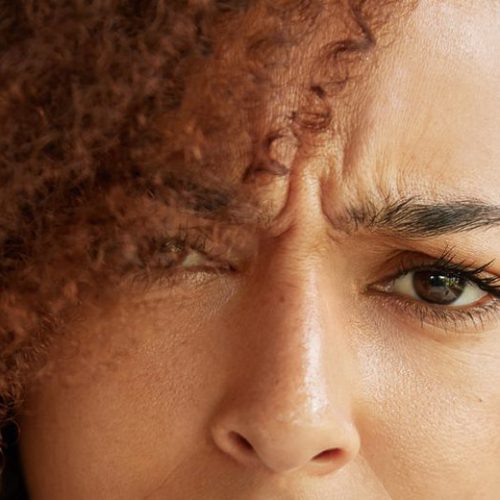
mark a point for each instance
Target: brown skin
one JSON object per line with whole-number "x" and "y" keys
{"x": 340, "y": 391}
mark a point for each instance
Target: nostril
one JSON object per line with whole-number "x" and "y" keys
{"x": 241, "y": 442}
{"x": 328, "y": 455}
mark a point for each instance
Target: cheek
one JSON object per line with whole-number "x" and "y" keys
{"x": 122, "y": 424}
{"x": 430, "y": 412}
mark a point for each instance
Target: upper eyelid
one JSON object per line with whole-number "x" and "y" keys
{"x": 406, "y": 260}
{"x": 487, "y": 284}
{"x": 448, "y": 260}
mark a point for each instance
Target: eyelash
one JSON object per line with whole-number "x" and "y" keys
{"x": 170, "y": 273}
{"x": 445, "y": 315}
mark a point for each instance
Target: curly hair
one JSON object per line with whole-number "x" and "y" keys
{"x": 97, "y": 135}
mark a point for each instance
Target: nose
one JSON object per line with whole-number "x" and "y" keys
{"x": 319, "y": 448}
{"x": 291, "y": 380}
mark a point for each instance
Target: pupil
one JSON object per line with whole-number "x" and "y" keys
{"x": 438, "y": 287}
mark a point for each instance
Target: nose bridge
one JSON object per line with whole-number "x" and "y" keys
{"x": 297, "y": 322}
{"x": 291, "y": 402}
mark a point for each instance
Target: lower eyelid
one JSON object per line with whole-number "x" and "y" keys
{"x": 449, "y": 320}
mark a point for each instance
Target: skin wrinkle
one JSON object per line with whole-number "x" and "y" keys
{"x": 203, "y": 115}
{"x": 332, "y": 55}
{"x": 410, "y": 218}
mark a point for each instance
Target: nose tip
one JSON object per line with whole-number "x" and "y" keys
{"x": 320, "y": 451}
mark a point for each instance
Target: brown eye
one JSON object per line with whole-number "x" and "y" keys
{"x": 166, "y": 254}
{"x": 438, "y": 287}
{"x": 174, "y": 254}
{"x": 434, "y": 286}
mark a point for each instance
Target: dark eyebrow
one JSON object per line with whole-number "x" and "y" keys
{"x": 196, "y": 197}
{"x": 413, "y": 218}
{"x": 217, "y": 203}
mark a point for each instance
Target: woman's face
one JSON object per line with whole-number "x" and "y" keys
{"x": 347, "y": 349}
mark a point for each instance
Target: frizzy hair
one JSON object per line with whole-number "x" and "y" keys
{"x": 91, "y": 94}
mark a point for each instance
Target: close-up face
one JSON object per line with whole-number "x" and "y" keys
{"x": 324, "y": 324}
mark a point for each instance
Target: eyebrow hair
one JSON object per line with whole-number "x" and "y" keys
{"x": 413, "y": 218}
{"x": 219, "y": 204}
{"x": 202, "y": 200}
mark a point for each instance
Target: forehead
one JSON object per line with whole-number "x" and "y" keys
{"x": 407, "y": 85}
{"x": 273, "y": 66}
{"x": 431, "y": 110}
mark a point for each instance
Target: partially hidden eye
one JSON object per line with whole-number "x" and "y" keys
{"x": 178, "y": 254}
{"x": 437, "y": 287}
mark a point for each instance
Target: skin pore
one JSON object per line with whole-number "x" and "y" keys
{"x": 282, "y": 362}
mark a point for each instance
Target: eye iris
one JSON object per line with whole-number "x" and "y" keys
{"x": 166, "y": 254}
{"x": 438, "y": 287}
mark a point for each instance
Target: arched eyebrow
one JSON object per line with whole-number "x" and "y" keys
{"x": 413, "y": 218}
